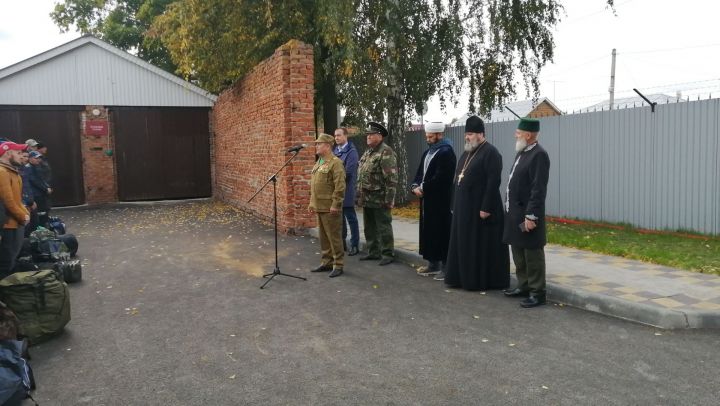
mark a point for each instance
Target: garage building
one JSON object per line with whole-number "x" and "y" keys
{"x": 117, "y": 128}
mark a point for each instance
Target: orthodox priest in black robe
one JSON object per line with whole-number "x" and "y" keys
{"x": 477, "y": 257}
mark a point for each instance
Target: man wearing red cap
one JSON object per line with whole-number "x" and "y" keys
{"x": 11, "y": 234}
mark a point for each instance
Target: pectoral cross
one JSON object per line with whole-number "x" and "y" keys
{"x": 462, "y": 174}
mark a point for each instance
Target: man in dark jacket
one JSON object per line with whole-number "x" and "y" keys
{"x": 346, "y": 151}
{"x": 433, "y": 185}
{"x": 27, "y": 193}
{"x": 525, "y": 219}
{"x": 41, "y": 190}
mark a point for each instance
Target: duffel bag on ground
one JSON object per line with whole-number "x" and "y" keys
{"x": 15, "y": 374}
{"x": 70, "y": 242}
{"x": 46, "y": 246}
{"x": 41, "y": 302}
{"x": 71, "y": 270}
{"x": 56, "y": 224}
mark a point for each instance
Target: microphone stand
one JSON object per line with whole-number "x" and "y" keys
{"x": 273, "y": 179}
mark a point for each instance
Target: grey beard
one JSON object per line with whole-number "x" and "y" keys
{"x": 520, "y": 145}
{"x": 471, "y": 145}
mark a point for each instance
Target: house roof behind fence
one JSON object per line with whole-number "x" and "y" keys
{"x": 89, "y": 71}
{"x": 634, "y": 101}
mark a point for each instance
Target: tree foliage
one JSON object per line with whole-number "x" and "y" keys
{"x": 379, "y": 59}
{"x": 124, "y": 24}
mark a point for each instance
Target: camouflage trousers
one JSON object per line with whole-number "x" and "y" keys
{"x": 378, "y": 232}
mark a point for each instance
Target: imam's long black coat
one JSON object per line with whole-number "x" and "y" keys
{"x": 528, "y": 188}
{"x": 435, "y": 204}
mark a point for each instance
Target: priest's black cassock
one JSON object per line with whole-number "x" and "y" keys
{"x": 477, "y": 257}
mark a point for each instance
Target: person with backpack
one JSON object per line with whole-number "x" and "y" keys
{"x": 11, "y": 235}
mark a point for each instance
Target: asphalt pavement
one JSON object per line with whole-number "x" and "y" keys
{"x": 170, "y": 313}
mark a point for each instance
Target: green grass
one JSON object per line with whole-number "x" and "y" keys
{"x": 692, "y": 252}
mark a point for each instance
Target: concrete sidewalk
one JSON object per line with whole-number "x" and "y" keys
{"x": 638, "y": 291}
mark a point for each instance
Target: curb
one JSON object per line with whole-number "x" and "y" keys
{"x": 597, "y": 303}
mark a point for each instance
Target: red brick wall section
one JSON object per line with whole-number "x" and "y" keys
{"x": 255, "y": 122}
{"x": 98, "y": 166}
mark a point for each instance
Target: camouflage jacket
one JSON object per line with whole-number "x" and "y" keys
{"x": 377, "y": 177}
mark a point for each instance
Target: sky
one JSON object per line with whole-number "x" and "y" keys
{"x": 663, "y": 46}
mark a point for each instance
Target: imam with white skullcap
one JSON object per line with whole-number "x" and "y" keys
{"x": 435, "y": 127}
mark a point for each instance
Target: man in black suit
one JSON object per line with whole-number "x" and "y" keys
{"x": 525, "y": 218}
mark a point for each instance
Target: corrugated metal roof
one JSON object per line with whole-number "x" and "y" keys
{"x": 659, "y": 98}
{"x": 522, "y": 108}
{"x": 88, "y": 71}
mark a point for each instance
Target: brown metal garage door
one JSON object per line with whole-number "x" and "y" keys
{"x": 162, "y": 153}
{"x": 59, "y": 129}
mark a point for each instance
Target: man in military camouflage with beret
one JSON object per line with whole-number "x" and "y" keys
{"x": 376, "y": 188}
{"x": 327, "y": 191}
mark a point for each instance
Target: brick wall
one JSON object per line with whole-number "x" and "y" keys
{"x": 254, "y": 122}
{"x": 98, "y": 166}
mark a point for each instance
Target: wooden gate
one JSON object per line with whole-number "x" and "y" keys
{"x": 162, "y": 153}
{"x": 59, "y": 129}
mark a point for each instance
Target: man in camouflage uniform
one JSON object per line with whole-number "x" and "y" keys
{"x": 377, "y": 183}
{"x": 327, "y": 191}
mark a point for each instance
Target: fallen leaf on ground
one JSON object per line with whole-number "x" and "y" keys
{"x": 232, "y": 377}
{"x": 476, "y": 317}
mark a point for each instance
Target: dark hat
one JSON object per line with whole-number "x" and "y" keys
{"x": 376, "y": 128}
{"x": 35, "y": 154}
{"x": 529, "y": 124}
{"x": 325, "y": 138}
{"x": 474, "y": 124}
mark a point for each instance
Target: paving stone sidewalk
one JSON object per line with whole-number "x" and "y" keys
{"x": 643, "y": 292}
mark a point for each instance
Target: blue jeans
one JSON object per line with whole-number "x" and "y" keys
{"x": 350, "y": 217}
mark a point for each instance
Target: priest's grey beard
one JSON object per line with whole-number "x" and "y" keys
{"x": 471, "y": 145}
{"x": 520, "y": 145}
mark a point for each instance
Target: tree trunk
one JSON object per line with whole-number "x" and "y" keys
{"x": 328, "y": 94}
{"x": 396, "y": 127}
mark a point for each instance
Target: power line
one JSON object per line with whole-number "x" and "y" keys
{"x": 650, "y": 51}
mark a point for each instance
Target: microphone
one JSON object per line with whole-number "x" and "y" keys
{"x": 297, "y": 148}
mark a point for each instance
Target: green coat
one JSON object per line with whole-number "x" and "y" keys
{"x": 377, "y": 177}
{"x": 327, "y": 186}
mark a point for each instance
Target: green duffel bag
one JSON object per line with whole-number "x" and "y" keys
{"x": 40, "y": 301}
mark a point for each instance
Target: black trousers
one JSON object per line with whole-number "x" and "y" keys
{"x": 10, "y": 243}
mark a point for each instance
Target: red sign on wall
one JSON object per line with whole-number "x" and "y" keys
{"x": 96, "y": 127}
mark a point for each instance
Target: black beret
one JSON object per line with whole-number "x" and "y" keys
{"x": 474, "y": 124}
{"x": 376, "y": 128}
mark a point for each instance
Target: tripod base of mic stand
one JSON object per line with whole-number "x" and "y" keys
{"x": 275, "y": 273}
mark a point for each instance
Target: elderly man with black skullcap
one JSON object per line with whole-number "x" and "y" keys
{"x": 376, "y": 188}
{"x": 525, "y": 207}
{"x": 433, "y": 185}
{"x": 477, "y": 257}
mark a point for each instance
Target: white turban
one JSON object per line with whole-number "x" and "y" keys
{"x": 435, "y": 127}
